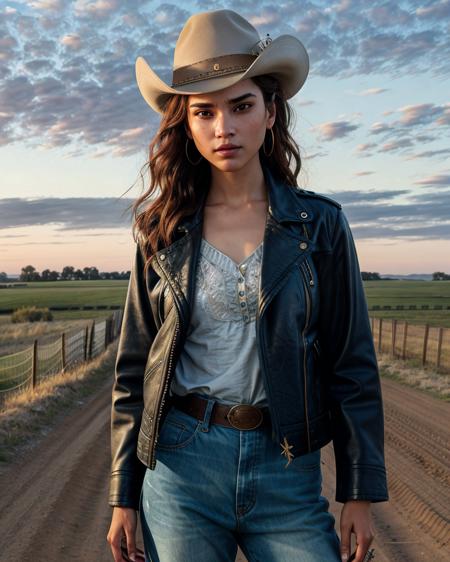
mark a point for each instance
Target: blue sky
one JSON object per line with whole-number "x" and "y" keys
{"x": 372, "y": 123}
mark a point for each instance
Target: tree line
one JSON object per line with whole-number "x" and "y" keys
{"x": 375, "y": 276}
{"x": 68, "y": 273}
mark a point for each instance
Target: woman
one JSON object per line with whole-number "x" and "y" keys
{"x": 245, "y": 345}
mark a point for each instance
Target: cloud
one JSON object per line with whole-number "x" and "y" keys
{"x": 411, "y": 126}
{"x": 365, "y": 149}
{"x": 441, "y": 152}
{"x": 374, "y": 213}
{"x": 352, "y": 197}
{"x": 71, "y": 40}
{"x": 437, "y": 180}
{"x": 373, "y": 91}
{"x": 436, "y": 10}
{"x": 422, "y": 114}
{"x": 73, "y": 62}
{"x": 46, "y": 5}
{"x": 68, "y": 213}
{"x": 394, "y": 146}
{"x": 98, "y": 9}
{"x": 332, "y": 130}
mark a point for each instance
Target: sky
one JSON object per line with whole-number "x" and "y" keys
{"x": 372, "y": 123}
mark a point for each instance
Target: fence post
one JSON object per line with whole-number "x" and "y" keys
{"x": 380, "y": 333}
{"x": 34, "y": 365}
{"x": 106, "y": 332}
{"x": 394, "y": 335}
{"x": 439, "y": 347}
{"x": 85, "y": 344}
{"x": 91, "y": 339}
{"x": 425, "y": 344}
{"x": 63, "y": 351}
{"x": 405, "y": 332}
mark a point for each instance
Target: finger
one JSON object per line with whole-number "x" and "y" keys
{"x": 114, "y": 542}
{"x": 346, "y": 534}
{"x": 116, "y": 552}
{"x": 131, "y": 545}
{"x": 362, "y": 546}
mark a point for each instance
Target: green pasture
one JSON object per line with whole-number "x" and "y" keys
{"x": 407, "y": 292}
{"x": 419, "y": 293}
{"x": 112, "y": 292}
{"x": 65, "y": 293}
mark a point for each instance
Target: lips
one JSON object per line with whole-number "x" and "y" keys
{"x": 227, "y": 149}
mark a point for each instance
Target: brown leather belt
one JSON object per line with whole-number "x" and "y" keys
{"x": 239, "y": 416}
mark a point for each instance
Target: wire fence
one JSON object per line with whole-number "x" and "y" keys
{"x": 430, "y": 345}
{"x": 26, "y": 368}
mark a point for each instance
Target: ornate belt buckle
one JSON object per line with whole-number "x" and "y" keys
{"x": 245, "y": 416}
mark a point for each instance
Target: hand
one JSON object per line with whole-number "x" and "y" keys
{"x": 356, "y": 517}
{"x": 124, "y": 521}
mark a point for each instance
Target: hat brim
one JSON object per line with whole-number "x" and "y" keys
{"x": 285, "y": 57}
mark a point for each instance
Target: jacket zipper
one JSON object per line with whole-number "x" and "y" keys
{"x": 307, "y": 280}
{"x": 162, "y": 397}
{"x": 161, "y": 304}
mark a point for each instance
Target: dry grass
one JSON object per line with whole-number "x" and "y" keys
{"x": 15, "y": 337}
{"x": 31, "y": 413}
{"x": 409, "y": 373}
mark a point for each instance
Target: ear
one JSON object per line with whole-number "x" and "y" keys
{"x": 271, "y": 114}
{"x": 186, "y": 129}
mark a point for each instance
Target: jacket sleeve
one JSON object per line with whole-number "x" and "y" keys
{"x": 353, "y": 383}
{"x": 136, "y": 336}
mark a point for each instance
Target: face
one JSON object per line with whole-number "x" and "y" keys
{"x": 234, "y": 116}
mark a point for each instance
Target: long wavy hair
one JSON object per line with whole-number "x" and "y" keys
{"x": 182, "y": 184}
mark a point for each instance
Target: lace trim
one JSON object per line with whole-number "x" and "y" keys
{"x": 226, "y": 290}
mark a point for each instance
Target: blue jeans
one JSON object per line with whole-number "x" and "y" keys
{"x": 216, "y": 487}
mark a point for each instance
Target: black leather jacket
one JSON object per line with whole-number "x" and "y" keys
{"x": 314, "y": 341}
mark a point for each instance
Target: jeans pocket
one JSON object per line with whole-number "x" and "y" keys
{"x": 178, "y": 430}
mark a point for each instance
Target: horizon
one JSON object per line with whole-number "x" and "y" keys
{"x": 372, "y": 123}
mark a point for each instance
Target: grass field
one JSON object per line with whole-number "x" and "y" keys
{"x": 105, "y": 292}
{"x": 406, "y": 293}
{"x": 65, "y": 293}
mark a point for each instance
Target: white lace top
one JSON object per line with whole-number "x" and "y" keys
{"x": 220, "y": 356}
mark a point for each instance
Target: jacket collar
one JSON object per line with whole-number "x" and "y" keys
{"x": 284, "y": 245}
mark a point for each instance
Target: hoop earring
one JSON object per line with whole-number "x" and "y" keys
{"x": 273, "y": 144}
{"x": 187, "y": 155}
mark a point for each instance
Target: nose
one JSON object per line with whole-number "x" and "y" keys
{"x": 224, "y": 126}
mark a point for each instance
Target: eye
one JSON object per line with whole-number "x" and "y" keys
{"x": 242, "y": 106}
{"x": 202, "y": 111}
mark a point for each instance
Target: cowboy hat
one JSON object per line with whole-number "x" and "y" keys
{"x": 218, "y": 49}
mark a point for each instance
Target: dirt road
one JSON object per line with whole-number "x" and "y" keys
{"x": 53, "y": 505}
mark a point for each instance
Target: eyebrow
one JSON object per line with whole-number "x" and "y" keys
{"x": 234, "y": 100}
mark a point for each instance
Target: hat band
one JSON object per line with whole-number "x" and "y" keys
{"x": 210, "y": 68}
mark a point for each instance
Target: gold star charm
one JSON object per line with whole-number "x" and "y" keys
{"x": 286, "y": 451}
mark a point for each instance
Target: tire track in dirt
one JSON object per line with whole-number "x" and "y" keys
{"x": 54, "y": 501}
{"x": 413, "y": 525}
{"x": 54, "y": 504}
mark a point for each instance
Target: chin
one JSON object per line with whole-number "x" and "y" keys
{"x": 230, "y": 165}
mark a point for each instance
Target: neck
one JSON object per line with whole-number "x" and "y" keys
{"x": 238, "y": 188}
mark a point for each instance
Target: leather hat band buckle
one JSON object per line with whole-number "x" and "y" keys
{"x": 245, "y": 416}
